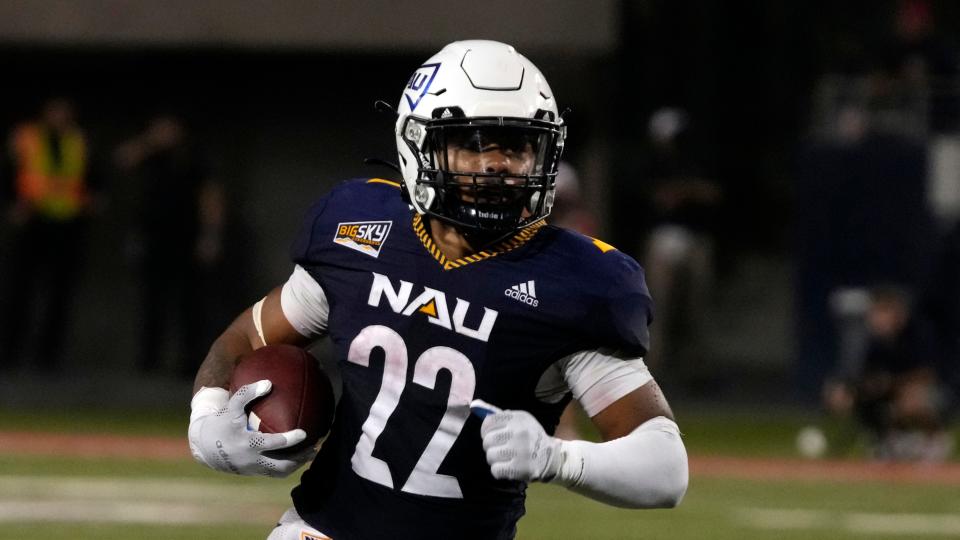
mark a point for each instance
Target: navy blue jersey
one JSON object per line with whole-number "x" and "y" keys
{"x": 418, "y": 337}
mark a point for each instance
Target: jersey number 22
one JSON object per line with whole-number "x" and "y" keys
{"x": 424, "y": 480}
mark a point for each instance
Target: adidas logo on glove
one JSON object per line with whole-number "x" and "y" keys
{"x": 524, "y": 292}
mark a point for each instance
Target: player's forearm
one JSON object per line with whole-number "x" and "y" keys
{"x": 224, "y": 354}
{"x": 645, "y": 469}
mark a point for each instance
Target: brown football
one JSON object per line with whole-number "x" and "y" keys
{"x": 301, "y": 396}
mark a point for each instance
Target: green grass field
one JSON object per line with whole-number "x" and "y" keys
{"x": 106, "y": 499}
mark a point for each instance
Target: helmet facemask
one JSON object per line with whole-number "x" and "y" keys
{"x": 489, "y": 176}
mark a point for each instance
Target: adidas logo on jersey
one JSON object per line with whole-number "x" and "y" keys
{"x": 524, "y": 292}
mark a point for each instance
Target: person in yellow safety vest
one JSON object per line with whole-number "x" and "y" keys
{"x": 50, "y": 169}
{"x": 51, "y": 163}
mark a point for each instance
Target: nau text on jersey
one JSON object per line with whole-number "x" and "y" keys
{"x": 433, "y": 304}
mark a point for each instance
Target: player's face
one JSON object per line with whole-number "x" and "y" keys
{"x": 887, "y": 318}
{"x": 481, "y": 153}
{"x": 507, "y": 153}
{"x": 58, "y": 114}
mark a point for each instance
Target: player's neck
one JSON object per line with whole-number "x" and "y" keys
{"x": 450, "y": 241}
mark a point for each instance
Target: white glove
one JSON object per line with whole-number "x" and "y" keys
{"x": 517, "y": 446}
{"x": 221, "y": 439}
{"x": 645, "y": 469}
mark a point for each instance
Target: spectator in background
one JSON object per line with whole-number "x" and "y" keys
{"x": 923, "y": 61}
{"x": 861, "y": 219}
{"x": 178, "y": 239}
{"x": 51, "y": 198}
{"x": 894, "y": 391}
{"x": 679, "y": 253}
{"x": 569, "y": 209}
{"x": 914, "y": 91}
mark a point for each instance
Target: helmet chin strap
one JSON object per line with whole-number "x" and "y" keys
{"x": 459, "y": 213}
{"x": 480, "y": 238}
{"x": 499, "y": 219}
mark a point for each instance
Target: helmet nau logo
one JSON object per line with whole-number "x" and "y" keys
{"x": 419, "y": 83}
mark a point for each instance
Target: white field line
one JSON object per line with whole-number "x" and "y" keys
{"x": 783, "y": 519}
{"x": 137, "y": 500}
{"x": 133, "y": 489}
{"x": 903, "y": 524}
{"x": 117, "y": 511}
{"x": 873, "y": 524}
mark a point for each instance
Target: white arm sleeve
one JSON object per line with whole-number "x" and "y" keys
{"x": 597, "y": 379}
{"x": 305, "y": 304}
{"x": 645, "y": 469}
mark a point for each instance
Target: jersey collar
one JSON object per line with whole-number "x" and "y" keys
{"x": 509, "y": 244}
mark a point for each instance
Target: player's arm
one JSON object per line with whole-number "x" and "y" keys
{"x": 218, "y": 434}
{"x": 642, "y": 462}
{"x": 262, "y": 323}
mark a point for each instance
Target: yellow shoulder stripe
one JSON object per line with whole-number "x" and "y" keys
{"x": 602, "y": 246}
{"x": 382, "y": 181}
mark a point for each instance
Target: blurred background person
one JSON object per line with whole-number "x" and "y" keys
{"x": 569, "y": 209}
{"x": 177, "y": 241}
{"x": 49, "y": 174}
{"x": 683, "y": 206}
{"x": 918, "y": 61}
{"x": 862, "y": 218}
{"x": 894, "y": 389}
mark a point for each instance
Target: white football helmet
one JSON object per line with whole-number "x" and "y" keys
{"x": 480, "y": 96}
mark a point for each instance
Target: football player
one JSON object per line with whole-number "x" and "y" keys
{"x": 462, "y": 324}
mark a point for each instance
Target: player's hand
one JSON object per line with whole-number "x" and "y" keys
{"x": 517, "y": 446}
{"x": 220, "y": 439}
